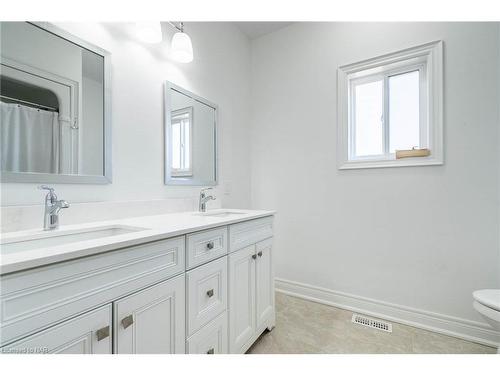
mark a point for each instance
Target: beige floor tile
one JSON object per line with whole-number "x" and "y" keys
{"x": 435, "y": 343}
{"x": 304, "y": 327}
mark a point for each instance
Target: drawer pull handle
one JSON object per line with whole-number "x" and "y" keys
{"x": 254, "y": 256}
{"x": 210, "y": 245}
{"x": 210, "y": 293}
{"x": 127, "y": 321}
{"x": 102, "y": 333}
{"x": 211, "y": 351}
{"x": 259, "y": 254}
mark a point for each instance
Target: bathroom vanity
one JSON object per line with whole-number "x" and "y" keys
{"x": 177, "y": 283}
{"x": 195, "y": 282}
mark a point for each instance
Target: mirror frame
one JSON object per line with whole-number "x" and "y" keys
{"x": 106, "y": 178}
{"x": 185, "y": 181}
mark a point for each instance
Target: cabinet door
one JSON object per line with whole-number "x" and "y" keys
{"x": 152, "y": 321}
{"x": 88, "y": 333}
{"x": 241, "y": 298}
{"x": 265, "y": 284}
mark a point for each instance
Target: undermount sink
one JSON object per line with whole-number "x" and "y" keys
{"x": 220, "y": 213}
{"x": 62, "y": 237}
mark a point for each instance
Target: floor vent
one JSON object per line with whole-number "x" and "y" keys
{"x": 373, "y": 323}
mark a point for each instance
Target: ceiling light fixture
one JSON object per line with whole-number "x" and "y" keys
{"x": 181, "y": 47}
{"x": 148, "y": 32}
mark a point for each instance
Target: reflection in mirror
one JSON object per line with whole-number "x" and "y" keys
{"x": 54, "y": 123}
{"x": 190, "y": 138}
{"x": 181, "y": 142}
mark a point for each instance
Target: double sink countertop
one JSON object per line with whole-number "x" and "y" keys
{"x": 34, "y": 248}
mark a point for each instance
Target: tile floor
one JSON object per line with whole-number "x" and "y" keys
{"x": 308, "y": 327}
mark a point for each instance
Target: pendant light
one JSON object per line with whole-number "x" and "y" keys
{"x": 148, "y": 32}
{"x": 181, "y": 47}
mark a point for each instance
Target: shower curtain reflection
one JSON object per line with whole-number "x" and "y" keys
{"x": 30, "y": 139}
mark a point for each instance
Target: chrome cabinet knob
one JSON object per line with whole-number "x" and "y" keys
{"x": 210, "y": 245}
{"x": 127, "y": 321}
{"x": 254, "y": 256}
{"x": 102, "y": 333}
{"x": 210, "y": 293}
{"x": 259, "y": 254}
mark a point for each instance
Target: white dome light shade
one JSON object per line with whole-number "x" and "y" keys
{"x": 148, "y": 32}
{"x": 182, "y": 49}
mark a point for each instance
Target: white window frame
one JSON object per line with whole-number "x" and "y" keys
{"x": 184, "y": 172}
{"x": 428, "y": 60}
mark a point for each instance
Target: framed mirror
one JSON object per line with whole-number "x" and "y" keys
{"x": 55, "y": 118}
{"x": 190, "y": 138}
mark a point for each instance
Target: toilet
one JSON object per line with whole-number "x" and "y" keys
{"x": 487, "y": 303}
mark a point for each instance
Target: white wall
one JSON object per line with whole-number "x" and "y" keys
{"x": 421, "y": 237}
{"x": 219, "y": 72}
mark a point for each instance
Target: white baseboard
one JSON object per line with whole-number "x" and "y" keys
{"x": 449, "y": 325}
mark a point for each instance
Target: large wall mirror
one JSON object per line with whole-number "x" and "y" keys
{"x": 54, "y": 106}
{"x": 190, "y": 138}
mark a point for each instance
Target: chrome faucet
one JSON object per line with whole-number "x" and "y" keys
{"x": 52, "y": 208}
{"x": 204, "y": 198}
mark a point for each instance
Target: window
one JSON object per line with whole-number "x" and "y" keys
{"x": 388, "y": 104}
{"x": 181, "y": 142}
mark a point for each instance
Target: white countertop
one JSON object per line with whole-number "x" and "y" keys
{"x": 155, "y": 228}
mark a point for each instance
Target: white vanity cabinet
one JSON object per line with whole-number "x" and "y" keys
{"x": 39, "y": 298}
{"x": 206, "y": 292}
{"x": 89, "y": 333}
{"x": 251, "y": 283}
{"x": 151, "y": 321}
{"x": 241, "y": 298}
{"x": 264, "y": 281}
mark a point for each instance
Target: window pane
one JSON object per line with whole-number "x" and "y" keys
{"x": 404, "y": 121}
{"x": 368, "y": 118}
{"x": 176, "y": 145}
{"x": 187, "y": 146}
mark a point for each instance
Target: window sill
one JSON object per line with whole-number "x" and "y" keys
{"x": 407, "y": 162}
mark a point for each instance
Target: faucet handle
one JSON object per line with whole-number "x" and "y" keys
{"x": 64, "y": 204}
{"x": 45, "y": 187}
{"x": 204, "y": 190}
{"x": 51, "y": 193}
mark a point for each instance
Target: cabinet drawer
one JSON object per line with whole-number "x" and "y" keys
{"x": 206, "y": 293}
{"x": 249, "y": 232}
{"x": 88, "y": 333}
{"x": 211, "y": 339}
{"x": 33, "y": 299}
{"x": 205, "y": 246}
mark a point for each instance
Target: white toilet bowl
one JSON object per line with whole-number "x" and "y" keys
{"x": 487, "y": 303}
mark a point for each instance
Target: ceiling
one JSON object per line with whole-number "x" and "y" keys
{"x": 256, "y": 29}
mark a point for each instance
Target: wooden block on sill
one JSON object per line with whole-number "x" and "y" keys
{"x": 412, "y": 153}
